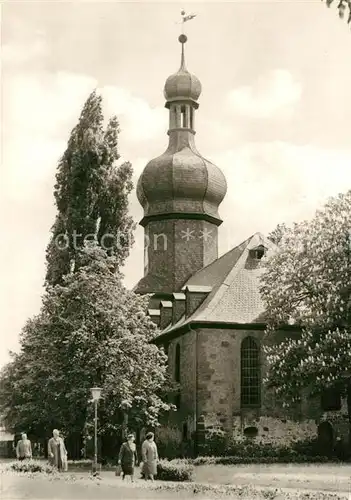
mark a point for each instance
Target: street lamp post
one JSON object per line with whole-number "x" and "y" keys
{"x": 96, "y": 394}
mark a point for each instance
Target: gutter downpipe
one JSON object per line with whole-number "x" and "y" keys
{"x": 196, "y": 386}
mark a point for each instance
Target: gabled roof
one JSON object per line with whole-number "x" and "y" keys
{"x": 235, "y": 282}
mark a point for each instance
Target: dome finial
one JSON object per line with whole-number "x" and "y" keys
{"x": 182, "y": 38}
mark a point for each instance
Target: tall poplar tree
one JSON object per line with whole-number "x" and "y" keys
{"x": 91, "y": 194}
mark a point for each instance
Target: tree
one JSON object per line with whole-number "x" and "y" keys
{"x": 91, "y": 194}
{"x": 277, "y": 234}
{"x": 91, "y": 331}
{"x": 308, "y": 282}
{"x": 344, "y": 6}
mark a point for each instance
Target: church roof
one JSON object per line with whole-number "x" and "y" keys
{"x": 235, "y": 282}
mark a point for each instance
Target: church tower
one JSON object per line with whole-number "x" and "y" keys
{"x": 180, "y": 192}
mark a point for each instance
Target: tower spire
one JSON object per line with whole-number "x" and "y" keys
{"x": 183, "y": 39}
{"x": 180, "y": 191}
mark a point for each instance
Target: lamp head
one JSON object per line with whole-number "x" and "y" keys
{"x": 96, "y": 393}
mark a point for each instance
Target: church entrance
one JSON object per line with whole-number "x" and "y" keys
{"x": 326, "y": 439}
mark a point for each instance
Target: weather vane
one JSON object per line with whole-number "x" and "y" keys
{"x": 185, "y": 17}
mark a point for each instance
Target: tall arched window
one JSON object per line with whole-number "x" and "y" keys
{"x": 250, "y": 373}
{"x": 177, "y": 364}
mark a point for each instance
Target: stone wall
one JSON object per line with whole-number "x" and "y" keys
{"x": 187, "y": 410}
{"x": 173, "y": 257}
{"x": 210, "y": 361}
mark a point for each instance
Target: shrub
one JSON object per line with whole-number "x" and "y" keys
{"x": 169, "y": 442}
{"x": 30, "y": 466}
{"x": 80, "y": 464}
{"x": 215, "y": 443}
{"x": 308, "y": 447}
{"x": 175, "y": 470}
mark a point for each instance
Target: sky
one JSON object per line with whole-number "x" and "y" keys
{"x": 274, "y": 114}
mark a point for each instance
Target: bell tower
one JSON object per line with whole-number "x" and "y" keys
{"x": 180, "y": 192}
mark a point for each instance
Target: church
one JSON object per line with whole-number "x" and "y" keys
{"x": 209, "y": 308}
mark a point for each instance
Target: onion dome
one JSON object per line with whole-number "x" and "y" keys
{"x": 180, "y": 182}
{"x": 182, "y": 85}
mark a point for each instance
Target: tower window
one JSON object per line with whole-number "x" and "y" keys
{"x": 191, "y": 118}
{"x": 250, "y": 373}
{"x": 183, "y": 114}
{"x": 177, "y": 364}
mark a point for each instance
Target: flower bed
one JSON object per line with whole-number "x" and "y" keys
{"x": 80, "y": 464}
{"x": 30, "y": 466}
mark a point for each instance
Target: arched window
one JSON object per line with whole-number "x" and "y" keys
{"x": 250, "y": 373}
{"x": 177, "y": 364}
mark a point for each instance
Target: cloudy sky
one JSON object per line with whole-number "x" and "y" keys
{"x": 274, "y": 113}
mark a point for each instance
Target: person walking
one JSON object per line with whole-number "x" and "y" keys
{"x": 57, "y": 451}
{"x": 24, "y": 448}
{"x": 128, "y": 457}
{"x": 150, "y": 456}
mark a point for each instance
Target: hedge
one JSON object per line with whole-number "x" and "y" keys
{"x": 175, "y": 470}
{"x": 297, "y": 459}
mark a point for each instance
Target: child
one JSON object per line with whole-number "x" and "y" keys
{"x": 128, "y": 457}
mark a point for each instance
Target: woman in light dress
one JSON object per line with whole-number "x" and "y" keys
{"x": 57, "y": 451}
{"x": 150, "y": 456}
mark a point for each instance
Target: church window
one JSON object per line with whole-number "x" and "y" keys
{"x": 191, "y": 118}
{"x": 177, "y": 364}
{"x": 250, "y": 373}
{"x": 177, "y": 400}
{"x": 331, "y": 399}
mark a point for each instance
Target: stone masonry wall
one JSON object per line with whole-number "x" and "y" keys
{"x": 219, "y": 384}
{"x": 177, "y": 249}
{"x": 186, "y": 412}
{"x": 217, "y": 375}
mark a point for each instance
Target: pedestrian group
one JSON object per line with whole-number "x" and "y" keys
{"x": 127, "y": 458}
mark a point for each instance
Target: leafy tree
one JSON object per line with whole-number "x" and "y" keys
{"x": 308, "y": 282}
{"x": 344, "y": 7}
{"x": 91, "y": 331}
{"x": 277, "y": 234}
{"x": 91, "y": 194}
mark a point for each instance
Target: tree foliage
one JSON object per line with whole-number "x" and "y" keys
{"x": 277, "y": 234}
{"x": 308, "y": 283}
{"x": 344, "y": 7}
{"x": 90, "y": 331}
{"x": 91, "y": 194}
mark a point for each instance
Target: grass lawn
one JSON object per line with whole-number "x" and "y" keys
{"x": 245, "y": 482}
{"x": 323, "y": 477}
